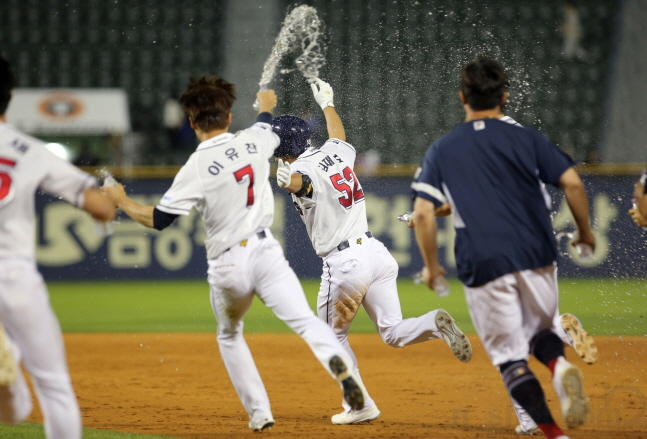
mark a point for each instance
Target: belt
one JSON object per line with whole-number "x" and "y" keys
{"x": 259, "y": 235}
{"x": 344, "y": 244}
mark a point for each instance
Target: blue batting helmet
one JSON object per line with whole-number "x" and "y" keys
{"x": 294, "y": 133}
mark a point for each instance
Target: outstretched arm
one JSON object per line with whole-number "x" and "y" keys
{"x": 98, "y": 205}
{"x": 142, "y": 214}
{"x": 323, "y": 94}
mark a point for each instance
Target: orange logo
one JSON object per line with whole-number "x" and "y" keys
{"x": 61, "y": 106}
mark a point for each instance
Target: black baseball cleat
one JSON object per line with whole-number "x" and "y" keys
{"x": 352, "y": 391}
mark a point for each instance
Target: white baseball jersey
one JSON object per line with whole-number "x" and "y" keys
{"x": 226, "y": 180}
{"x": 337, "y": 193}
{"x": 34, "y": 333}
{"x": 25, "y": 167}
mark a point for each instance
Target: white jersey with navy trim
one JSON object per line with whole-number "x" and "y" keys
{"x": 26, "y": 166}
{"x": 337, "y": 194}
{"x": 226, "y": 180}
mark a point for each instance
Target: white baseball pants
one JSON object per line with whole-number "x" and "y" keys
{"x": 366, "y": 274}
{"x": 508, "y": 311}
{"x": 36, "y": 339}
{"x": 260, "y": 268}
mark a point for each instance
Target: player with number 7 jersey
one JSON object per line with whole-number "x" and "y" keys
{"x": 227, "y": 180}
{"x": 358, "y": 270}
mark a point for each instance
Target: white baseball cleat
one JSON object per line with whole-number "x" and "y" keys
{"x": 533, "y": 431}
{"x": 353, "y": 394}
{"x": 8, "y": 367}
{"x": 581, "y": 340}
{"x": 454, "y": 337}
{"x": 263, "y": 424}
{"x": 355, "y": 417}
{"x": 569, "y": 384}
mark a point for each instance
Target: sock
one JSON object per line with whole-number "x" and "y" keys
{"x": 547, "y": 347}
{"x": 551, "y": 431}
{"x": 524, "y": 387}
{"x": 551, "y": 366}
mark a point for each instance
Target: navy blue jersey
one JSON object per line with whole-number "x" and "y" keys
{"x": 491, "y": 172}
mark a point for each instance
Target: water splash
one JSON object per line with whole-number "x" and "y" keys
{"x": 301, "y": 30}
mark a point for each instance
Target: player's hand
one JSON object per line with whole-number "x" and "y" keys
{"x": 116, "y": 194}
{"x": 429, "y": 274}
{"x": 638, "y": 218}
{"x": 639, "y": 190}
{"x": 584, "y": 238}
{"x": 444, "y": 210}
{"x": 323, "y": 93}
{"x": 266, "y": 100}
{"x": 283, "y": 173}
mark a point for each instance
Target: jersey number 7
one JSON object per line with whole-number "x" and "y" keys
{"x": 342, "y": 185}
{"x": 240, "y": 175}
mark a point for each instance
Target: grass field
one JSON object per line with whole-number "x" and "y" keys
{"x": 605, "y": 306}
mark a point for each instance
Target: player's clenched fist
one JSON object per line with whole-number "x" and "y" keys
{"x": 323, "y": 93}
{"x": 266, "y": 100}
{"x": 283, "y": 173}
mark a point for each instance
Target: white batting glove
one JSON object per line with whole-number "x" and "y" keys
{"x": 323, "y": 94}
{"x": 283, "y": 173}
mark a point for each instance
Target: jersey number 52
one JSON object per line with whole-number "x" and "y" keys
{"x": 342, "y": 184}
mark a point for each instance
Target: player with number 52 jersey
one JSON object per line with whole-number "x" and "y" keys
{"x": 335, "y": 188}
{"x": 357, "y": 268}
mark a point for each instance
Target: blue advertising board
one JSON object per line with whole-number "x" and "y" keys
{"x": 69, "y": 247}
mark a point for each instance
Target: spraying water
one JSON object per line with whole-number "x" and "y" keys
{"x": 302, "y": 30}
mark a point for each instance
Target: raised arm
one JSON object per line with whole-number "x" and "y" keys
{"x": 323, "y": 94}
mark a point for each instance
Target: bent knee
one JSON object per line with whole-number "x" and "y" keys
{"x": 388, "y": 337}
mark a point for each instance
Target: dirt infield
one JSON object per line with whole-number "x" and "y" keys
{"x": 176, "y": 384}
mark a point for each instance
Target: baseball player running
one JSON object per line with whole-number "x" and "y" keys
{"x": 567, "y": 327}
{"x": 226, "y": 180}
{"x": 33, "y": 335}
{"x": 491, "y": 172}
{"x": 357, "y": 268}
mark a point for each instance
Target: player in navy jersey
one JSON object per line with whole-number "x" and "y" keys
{"x": 491, "y": 173}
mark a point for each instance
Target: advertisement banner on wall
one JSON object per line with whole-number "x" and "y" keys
{"x": 69, "y": 247}
{"x": 69, "y": 111}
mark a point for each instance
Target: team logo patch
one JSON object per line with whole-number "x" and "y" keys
{"x": 479, "y": 125}
{"x": 359, "y": 240}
